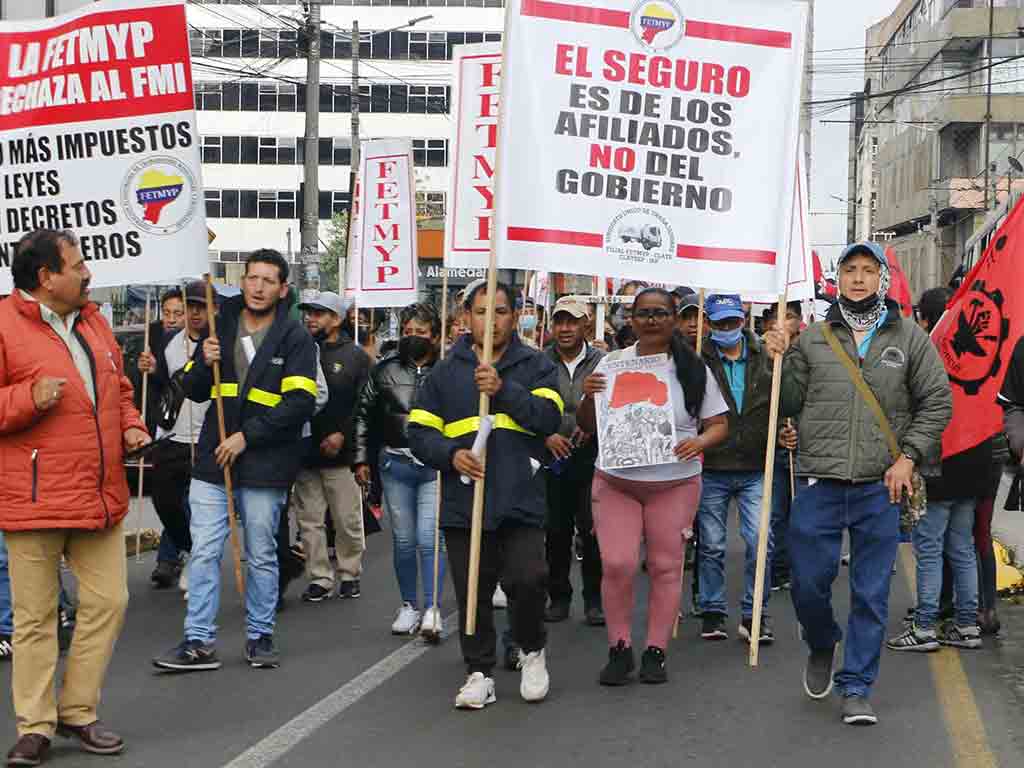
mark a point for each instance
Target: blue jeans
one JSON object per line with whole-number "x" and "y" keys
{"x": 6, "y": 611}
{"x": 260, "y": 509}
{"x": 948, "y": 527}
{"x": 410, "y": 495}
{"x": 821, "y": 512}
{"x": 747, "y": 488}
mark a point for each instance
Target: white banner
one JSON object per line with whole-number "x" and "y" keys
{"x": 800, "y": 286}
{"x": 476, "y": 84}
{"x": 98, "y": 136}
{"x": 385, "y": 272}
{"x": 652, "y": 140}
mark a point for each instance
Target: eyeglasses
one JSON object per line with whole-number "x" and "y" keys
{"x": 658, "y": 315}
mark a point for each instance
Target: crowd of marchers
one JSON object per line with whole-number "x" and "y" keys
{"x": 312, "y": 423}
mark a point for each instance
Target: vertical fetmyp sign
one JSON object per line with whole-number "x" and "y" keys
{"x": 385, "y": 273}
{"x": 475, "y": 104}
{"x": 98, "y": 136}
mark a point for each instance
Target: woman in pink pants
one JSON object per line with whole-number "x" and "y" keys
{"x": 656, "y": 503}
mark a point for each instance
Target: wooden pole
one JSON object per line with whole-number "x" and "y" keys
{"x": 142, "y": 461}
{"x": 766, "y": 497}
{"x": 476, "y": 529}
{"x": 437, "y": 505}
{"x": 188, "y": 403}
{"x": 236, "y": 546}
{"x": 792, "y": 467}
{"x": 682, "y": 568}
{"x": 602, "y": 291}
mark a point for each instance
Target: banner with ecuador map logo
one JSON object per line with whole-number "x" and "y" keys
{"x": 650, "y": 139}
{"x": 98, "y": 136}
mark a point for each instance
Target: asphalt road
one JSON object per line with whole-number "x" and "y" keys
{"x": 348, "y": 693}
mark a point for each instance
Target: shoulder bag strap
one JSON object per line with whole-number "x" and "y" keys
{"x": 862, "y": 387}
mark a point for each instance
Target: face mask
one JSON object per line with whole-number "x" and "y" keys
{"x": 727, "y": 339}
{"x": 861, "y": 307}
{"x": 414, "y": 347}
{"x": 528, "y": 323}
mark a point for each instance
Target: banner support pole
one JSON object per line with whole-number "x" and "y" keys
{"x": 766, "y": 497}
{"x": 142, "y": 460}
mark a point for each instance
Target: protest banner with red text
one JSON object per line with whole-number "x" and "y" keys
{"x": 98, "y": 136}
{"x": 475, "y": 90}
{"x": 384, "y": 273}
{"x": 653, "y": 139}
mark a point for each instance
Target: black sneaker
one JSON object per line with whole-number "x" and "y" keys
{"x": 261, "y": 654}
{"x": 857, "y": 711}
{"x": 191, "y": 655}
{"x": 713, "y": 627}
{"x": 557, "y": 611}
{"x": 165, "y": 575}
{"x": 818, "y": 673}
{"x": 914, "y": 639}
{"x": 512, "y": 654}
{"x": 6, "y": 648}
{"x": 767, "y": 636}
{"x": 652, "y": 666}
{"x": 316, "y": 594}
{"x": 620, "y": 666}
{"x": 349, "y": 589}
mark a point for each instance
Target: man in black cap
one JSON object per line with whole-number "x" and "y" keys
{"x": 184, "y": 418}
{"x": 687, "y": 318}
{"x": 326, "y": 479}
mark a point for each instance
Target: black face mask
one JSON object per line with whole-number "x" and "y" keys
{"x": 861, "y": 307}
{"x": 414, "y": 347}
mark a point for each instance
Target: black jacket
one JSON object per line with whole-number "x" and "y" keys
{"x": 745, "y": 447}
{"x": 279, "y": 396}
{"x": 383, "y": 410}
{"x": 527, "y": 409}
{"x": 571, "y": 391}
{"x": 346, "y": 368}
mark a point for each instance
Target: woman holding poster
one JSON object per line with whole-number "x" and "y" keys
{"x": 656, "y": 501}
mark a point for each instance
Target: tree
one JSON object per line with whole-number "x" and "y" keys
{"x": 337, "y": 248}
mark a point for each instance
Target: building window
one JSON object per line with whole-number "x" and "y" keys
{"x": 212, "y": 149}
{"x": 432, "y": 153}
{"x": 213, "y": 207}
{"x": 430, "y": 205}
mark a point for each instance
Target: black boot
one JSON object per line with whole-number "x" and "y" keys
{"x": 620, "y": 666}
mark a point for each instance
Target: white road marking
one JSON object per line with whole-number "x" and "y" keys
{"x": 276, "y": 745}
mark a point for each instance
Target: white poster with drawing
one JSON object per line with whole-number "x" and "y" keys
{"x": 636, "y": 424}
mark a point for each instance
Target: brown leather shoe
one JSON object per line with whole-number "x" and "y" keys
{"x": 31, "y": 749}
{"x": 95, "y": 737}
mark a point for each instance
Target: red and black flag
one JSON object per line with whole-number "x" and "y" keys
{"x": 977, "y": 335}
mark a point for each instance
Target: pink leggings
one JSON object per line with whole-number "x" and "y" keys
{"x": 661, "y": 513}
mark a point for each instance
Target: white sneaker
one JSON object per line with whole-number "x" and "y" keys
{"x": 432, "y": 623}
{"x": 500, "y": 599}
{"x": 407, "y": 621}
{"x": 183, "y": 576}
{"x": 535, "y": 680}
{"x": 477, "y": 693}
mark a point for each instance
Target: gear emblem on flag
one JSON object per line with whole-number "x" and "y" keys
{"x": 973, "y": 354}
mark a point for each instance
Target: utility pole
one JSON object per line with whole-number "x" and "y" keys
{"x": 309, "y": 233}
{"x": 51, "y": 8}
{"x": 988, "y": 107}
{"x": 354, "y": 152}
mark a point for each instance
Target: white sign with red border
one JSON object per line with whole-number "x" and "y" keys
{"x": 98, "y": 136}
{"x": 475, "y": 91}
{"x": 652, "y": 140}
{"x": 385, "y": 271}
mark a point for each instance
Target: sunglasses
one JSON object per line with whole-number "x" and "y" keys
{"x": 658, "y": 315}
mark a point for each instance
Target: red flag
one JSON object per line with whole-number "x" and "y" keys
{"x": 976, "y": 337}
{"x": 826, "y": 290}
{"x": 899, "y": 287}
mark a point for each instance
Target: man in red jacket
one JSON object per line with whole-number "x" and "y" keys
{"x": 66, "y": 419}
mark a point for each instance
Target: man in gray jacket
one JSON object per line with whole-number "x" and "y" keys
{"x": 571, "y": 469}
{"x": 853, "y": 482}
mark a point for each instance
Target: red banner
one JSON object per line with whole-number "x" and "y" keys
{"x": 977, "y": 335}
{"x": 899, "y": 287}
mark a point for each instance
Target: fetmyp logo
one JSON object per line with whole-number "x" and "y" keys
{"x": 657, "y": 24}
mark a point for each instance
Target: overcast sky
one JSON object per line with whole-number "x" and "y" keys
{"x": 837, "y": 25}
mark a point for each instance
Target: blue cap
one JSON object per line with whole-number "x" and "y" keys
{"x": 722, "y": 306}
{"x": 868, "y": 248}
